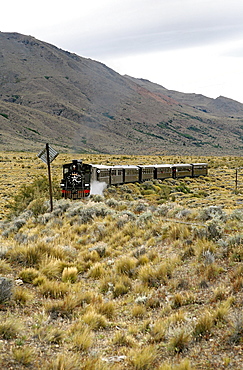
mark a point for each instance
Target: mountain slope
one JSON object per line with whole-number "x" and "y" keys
{"x": 77, "y": 104}
{"x": 220, "y": 106}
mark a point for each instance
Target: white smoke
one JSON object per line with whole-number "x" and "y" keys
{"x": 97, "y": 187}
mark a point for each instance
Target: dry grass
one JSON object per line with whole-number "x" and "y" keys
{"x": 143, "y": 283}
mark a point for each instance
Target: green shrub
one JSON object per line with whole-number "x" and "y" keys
{"x": 36, "y": 191}
{"x": 4, "y": 115}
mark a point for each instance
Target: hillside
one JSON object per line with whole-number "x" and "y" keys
{"x": 77, "y": 104}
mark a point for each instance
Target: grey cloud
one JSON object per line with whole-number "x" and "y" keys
{"x": 154, "y": 25}
{"x": 115, "y": 44}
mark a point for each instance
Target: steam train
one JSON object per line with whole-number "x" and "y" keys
{"x": 78, "y": 177}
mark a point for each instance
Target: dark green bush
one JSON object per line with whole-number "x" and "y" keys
{"x": 37, "y": 191}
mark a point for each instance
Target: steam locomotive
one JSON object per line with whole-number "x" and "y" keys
{"x": 78, "y": 176}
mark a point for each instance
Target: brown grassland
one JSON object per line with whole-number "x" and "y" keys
{"x": 146, "y": 276}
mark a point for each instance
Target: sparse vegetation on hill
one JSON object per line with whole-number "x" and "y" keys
{"x": 50, "y": 95}
{"x": 147, "y": 276}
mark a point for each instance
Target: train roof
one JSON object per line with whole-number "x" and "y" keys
{"x": 127, "y": 166}
{"x": 181, "y": 165}
{"x": 155, "y": 165}
{"x": 168, "y": 165}
{"x": 146, "y": 165}
{"x": 131, "y": 166}
{"x": 200, "y": 164}
{"x": 118, "y": 166}
{"x": 101, "y": 166}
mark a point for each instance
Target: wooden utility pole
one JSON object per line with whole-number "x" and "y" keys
{"x": 49, "y": 175}
{"x": 47, "y": 156}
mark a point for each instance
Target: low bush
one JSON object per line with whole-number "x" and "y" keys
{"x": 35, "y": 191}
{"x": 6, "y": 289}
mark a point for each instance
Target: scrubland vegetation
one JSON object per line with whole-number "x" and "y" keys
{"x": 145, "y": 276}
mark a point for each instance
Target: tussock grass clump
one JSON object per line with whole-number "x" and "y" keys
{"x": 50, "y": 334}
{"x": 179, "y": 341}
{"x": 107, "y": 283}
{"x": 23, "y": 355}
{"x": 70, "y": 274}
{"x": 148, "y": 276}
{"x": 28, "y": 275}
{"x": 158, "y": 331}
{"x": 10, "y": 328}
{"x": 126, "y": 265}
{"x": 120, "y": 289}
{"x": 155, "y": 276}
{"x": 90, "y": 256}
{"x": 183, "y": 365}
{"x": 143, "y": 358}
{"x": 237, "y": 284}
{"x": 107, "y": 309}
{"x": 221, "y": 312}
{"x": 29, "y": 255}
{"x": 52, "y": 268}
{"x": 178, "y": 300}
{"x": 143, "y": 260}
{"x": 203, "y": 325}
{"x": 22, "y": 296}
{"x": 219, "y": 293}
{"x": 94, "y": 320}
{"x": 122, "y": 286}
{"x": 64, "y": 307}
{"x": 82, "y": 340}
{"x": 139, "y": 311}
{"x": 205, "y": 250}
{"x": 121, "y": 339}
{"x": 176, "y": 318}
{"x": 179, "y": 231}
{"x": 53, "y": 289}
{"x": 5, "y": 267}
{"x": 33, "y": 255}
{"x": 39, "y": 280}
{"x": 97, "y": 270}
{"x": 212, "y": 271}
{"x": 64, "y": 361}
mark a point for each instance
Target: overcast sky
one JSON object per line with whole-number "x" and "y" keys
{"x": 191, "y": 46}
